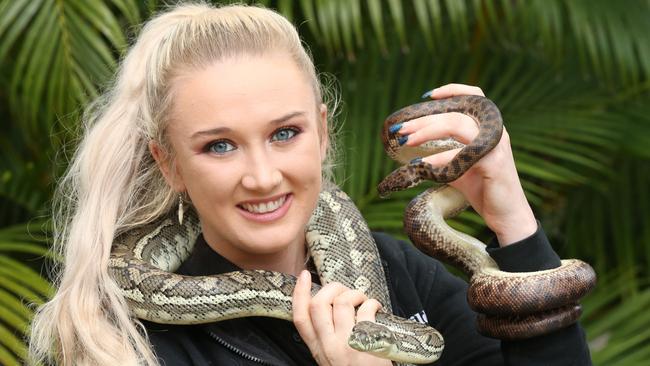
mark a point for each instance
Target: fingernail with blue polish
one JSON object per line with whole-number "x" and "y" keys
{"x": 416, "y": 160}
{"x": 427, "y": 94}
{"x": 395, "y": 128}
{"x": 402, "y": 140}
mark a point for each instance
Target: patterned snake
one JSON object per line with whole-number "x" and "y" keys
{"x": 509, "y": 304}
{"x": 142, "y": 260}
{"x": 340, "y": 245}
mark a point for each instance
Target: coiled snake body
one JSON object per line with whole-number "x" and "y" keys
{"x": 342, "y": 248}
{"x": 510, "y": 305}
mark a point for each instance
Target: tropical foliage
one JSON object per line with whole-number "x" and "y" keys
{"x": 571, "y": 78}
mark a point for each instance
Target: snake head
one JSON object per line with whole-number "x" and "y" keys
{"x": 404, "y": 177}
{"x": 372, "y": 338}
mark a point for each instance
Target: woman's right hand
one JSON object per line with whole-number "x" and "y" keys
{"x": 325, "y": 321}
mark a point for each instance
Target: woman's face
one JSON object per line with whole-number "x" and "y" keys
{"x": 248, "y": 152}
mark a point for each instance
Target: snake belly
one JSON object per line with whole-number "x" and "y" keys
{"x": 509, "y": 304}
{"x": 142, "y": 261}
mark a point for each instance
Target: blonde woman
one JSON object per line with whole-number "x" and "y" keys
{"x": 221, "y": 108}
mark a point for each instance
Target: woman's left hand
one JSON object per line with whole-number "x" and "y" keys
{"x": 325, "y": 322}
{"x": 491, "y": 185}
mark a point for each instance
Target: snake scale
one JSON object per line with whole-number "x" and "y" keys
{"x": 142, "y": 260}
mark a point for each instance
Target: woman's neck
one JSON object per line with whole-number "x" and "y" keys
{"x": 291, "y": 260}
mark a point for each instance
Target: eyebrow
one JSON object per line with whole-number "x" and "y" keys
{"x": 218, "y": 130}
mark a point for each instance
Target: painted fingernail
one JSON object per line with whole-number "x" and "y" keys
{"x": 402, "y": 140}
{"x": 427, "y": 94}
{"x": 395, "y": 128}
{"x": 416, "y": 160}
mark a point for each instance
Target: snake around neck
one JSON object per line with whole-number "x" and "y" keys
{"x": 343, "y": 250}
{"x": 143, "y": 260}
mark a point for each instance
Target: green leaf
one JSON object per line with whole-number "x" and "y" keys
{"x": 11, "y": 342}
{"x": 377, "y": 21}
{"x": 21, "y": 274}
{"x": 15, "y": 305}
{"x": 6, "y": 357}
{"x": 15, "y": 16}
{"x": 10, "y": 318}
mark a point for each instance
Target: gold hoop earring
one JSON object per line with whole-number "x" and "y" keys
{"x": 180, "y": 209}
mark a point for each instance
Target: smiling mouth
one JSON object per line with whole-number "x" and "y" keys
{"x": 264, "y": 207}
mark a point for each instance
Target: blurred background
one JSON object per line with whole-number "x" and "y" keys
{"x": 570, "y": 77}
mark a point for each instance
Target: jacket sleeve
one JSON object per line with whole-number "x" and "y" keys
{"x": 444, "y": 298}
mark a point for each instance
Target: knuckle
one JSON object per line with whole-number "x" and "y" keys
{"x": 413, "y": 138}
{"x": 334, "y": 286}
{"x": 360, "y": 295}
{"x": 300, "y": 322}
{"x": 357, "y": 292}
{"x": 342, "y": 301}
{"x": 314, "y": 307}
{"x": 349, "y": 298}
{"x": 371, "y": 304}
{"x": 424, "y": 121}
{"x": 466, "y": 122}
{"x": 374, "y": 302}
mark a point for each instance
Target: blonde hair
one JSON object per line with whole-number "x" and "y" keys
{"x": 113, "y": 184}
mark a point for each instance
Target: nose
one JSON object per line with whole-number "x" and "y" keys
{"x": 261, "y": 174}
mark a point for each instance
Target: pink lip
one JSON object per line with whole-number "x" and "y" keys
{"x": 269, "y": 199}
{"x": 269, "y": 216}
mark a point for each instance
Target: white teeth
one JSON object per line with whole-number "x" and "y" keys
{"x": 264, "y": 207}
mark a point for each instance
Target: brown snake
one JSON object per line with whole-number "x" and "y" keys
{"x": 510, "y": 305}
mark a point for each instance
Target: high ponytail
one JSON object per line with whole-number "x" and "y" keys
{"x": 113, "y": 184}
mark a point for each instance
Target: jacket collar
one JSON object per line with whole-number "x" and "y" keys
{"x": 205, "y": 262}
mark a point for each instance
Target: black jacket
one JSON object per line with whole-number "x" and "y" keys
{"x": 420, "y": 288}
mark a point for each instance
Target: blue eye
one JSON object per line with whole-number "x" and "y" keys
{"x": 284, "y": 134}
{"x": 220, "y": 147}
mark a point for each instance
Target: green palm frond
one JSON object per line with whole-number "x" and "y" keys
{"x": 20, "y": 287}
{"x": 59, "y": 53}
{"x": 617, "y": 330}
{"x": 23, "y": 186}
{"x": 608, "y": 224}
{"x": 612, "y": 41}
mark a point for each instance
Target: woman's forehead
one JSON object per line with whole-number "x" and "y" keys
{"x": 250, "y": 88}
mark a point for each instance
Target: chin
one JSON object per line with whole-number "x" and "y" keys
{"x": 265, "y": 247}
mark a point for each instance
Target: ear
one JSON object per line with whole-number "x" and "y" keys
{"x": 164, "y": 162}
{"x": 324, "y": 137}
